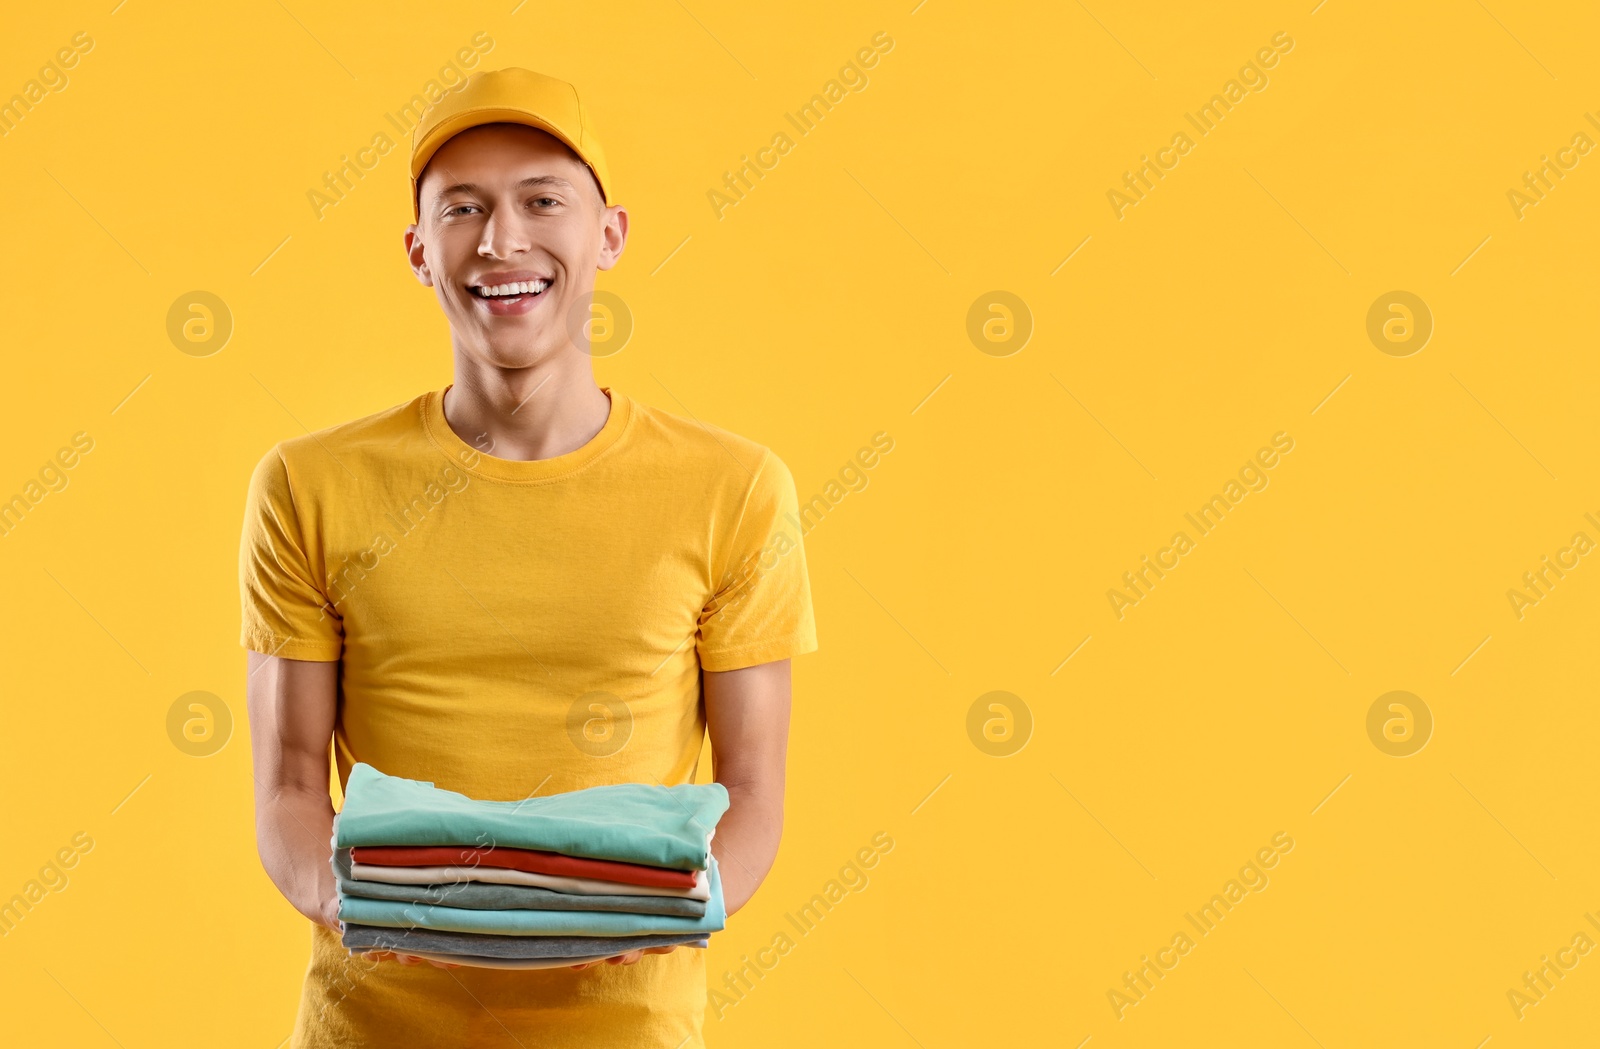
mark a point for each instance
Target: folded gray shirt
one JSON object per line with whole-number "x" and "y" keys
{"x": 488, "y": 896}
{"x": 484, "y": 945}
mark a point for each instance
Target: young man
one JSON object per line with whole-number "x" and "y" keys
{"x": 518, "y": 585}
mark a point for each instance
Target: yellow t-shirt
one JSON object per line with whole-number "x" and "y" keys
{"x": 507, "y": 628}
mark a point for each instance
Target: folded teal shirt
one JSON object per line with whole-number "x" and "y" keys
{"x": 357, "y": 910}
{"x": 631, "y": 822}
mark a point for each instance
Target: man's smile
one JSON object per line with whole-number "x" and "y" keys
{"x": 511, "y": 294}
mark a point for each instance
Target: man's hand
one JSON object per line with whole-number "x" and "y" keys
{"x": 411, "y": 959}
{"x": 328, "y": 914}
{"x": 627, "y": 959}
{"x": 621, "y": 959}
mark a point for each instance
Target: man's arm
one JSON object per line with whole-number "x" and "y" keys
{"x": 747, "y": 717}
{"x": 292, "y": 706}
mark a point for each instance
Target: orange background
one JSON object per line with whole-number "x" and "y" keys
{"x": 1046, "y": 841}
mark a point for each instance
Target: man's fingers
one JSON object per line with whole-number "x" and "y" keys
{"x": 630, "y": 958}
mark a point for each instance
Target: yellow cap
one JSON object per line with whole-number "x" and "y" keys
{"x": 513, "y": 96}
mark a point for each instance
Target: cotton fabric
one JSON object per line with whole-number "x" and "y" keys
{"x": 532, "y": 922}
{"x": 528, "y": 860}
{"x": 484, "y": 962}
{"x": 638, "y": 823}
{"x": 494, "y": 875}
{"x": 488, "y": 896}
{"x": 479, "y": 961}
{"x": 409, "y": 941}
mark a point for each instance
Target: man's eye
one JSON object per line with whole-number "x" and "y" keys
{"x": 542, "y": 200}
{"x": 459, "y": 208}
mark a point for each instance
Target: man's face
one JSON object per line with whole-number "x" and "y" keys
{"x": 511, "y": 232}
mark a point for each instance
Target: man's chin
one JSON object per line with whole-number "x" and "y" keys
{"x": 508, "y": 351}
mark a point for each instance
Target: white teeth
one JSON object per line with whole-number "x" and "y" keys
{"x": 526, "y": 287}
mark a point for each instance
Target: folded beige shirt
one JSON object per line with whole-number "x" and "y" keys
{"x": 504, "y": 876}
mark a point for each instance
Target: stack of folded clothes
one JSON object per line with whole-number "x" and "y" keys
{"x": 533, "y": 884}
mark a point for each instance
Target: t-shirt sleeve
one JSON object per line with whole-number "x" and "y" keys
{"x": 285, "y": 613}
{"x": 761, "y": 610}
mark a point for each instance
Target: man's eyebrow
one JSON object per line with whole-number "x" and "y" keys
{"x": 535, "y": 180}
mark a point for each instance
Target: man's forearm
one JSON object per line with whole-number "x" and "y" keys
{"x": 746, "y": 842}
{"x": 293, "y": 829}
{"x": 747, "y": 717}
{"x": 292, "y": 709}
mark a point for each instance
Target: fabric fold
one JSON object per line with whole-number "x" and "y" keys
{"x": 480, "y": 961}
{"x": 647, "y": 824}
{"x": 392, "y": 914}
{"x": 530, "y": 860}
{"x": 571, "y": 886}
{"x": 491, "y": 896}
{"x": 410, "y": 941}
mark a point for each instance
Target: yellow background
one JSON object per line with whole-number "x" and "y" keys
{"x": 825, "y": 307}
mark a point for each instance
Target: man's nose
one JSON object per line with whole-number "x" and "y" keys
{"x": 502, "y": 236}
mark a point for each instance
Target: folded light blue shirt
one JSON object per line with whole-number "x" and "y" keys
{"x": 357, "y": 910}
{"x": 646, "y": 823}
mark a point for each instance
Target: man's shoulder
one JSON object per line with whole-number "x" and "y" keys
{"x": 376, "y": 434}
{"x": 695, "y": 446}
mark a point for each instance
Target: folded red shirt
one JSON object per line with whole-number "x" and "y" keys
{"x": 530, "y": 860}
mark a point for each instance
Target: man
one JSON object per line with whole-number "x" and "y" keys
{"x": 519, "y": 585}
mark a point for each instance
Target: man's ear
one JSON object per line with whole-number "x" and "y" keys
{"x": 414, "y": 255}
{"x": 613, "y": 236}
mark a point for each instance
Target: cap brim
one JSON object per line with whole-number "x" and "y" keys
{"x": 471, "y": 118}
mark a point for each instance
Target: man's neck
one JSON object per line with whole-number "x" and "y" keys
{"x": 540, "y": 412}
